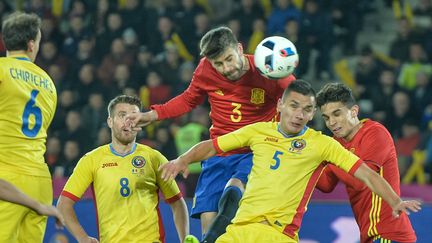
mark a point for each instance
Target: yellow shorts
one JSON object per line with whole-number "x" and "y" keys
{"x": 254, "y": 232}
{"x": 21, "y": 224}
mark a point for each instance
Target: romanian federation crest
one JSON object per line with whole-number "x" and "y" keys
{"x": 297, "y": 145}
{"x": 257, "y": 96}
{"x": 138, "y": 162}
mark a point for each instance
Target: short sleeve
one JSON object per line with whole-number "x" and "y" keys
{"x": 168, "y": 188}
{"x": 80, "y": 179}
{"x": 234, "y": 140}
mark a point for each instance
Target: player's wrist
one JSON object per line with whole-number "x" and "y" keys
{"x": 153, "y": 115}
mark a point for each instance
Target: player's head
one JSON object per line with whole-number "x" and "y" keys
{"x": 21, "y": 32}
{"x": 118, "y": 108}
{"x": 222, "y": 49}
{"x": 296, "y": 107}
{"x": 339, "y": 109}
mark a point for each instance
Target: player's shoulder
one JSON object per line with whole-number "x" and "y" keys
{"x": 142, "y": 148}
{"x": 373, "y": 128}
{"x": 97, "y": 152}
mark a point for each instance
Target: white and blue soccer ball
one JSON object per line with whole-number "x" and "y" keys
{"x": 276, "y": 57}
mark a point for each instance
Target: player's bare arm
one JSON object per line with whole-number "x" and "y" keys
{"x": 141, "y": 119}
{"x": 65, "y": 205}
{"x": 10, "y": 193}
{"x": 381, "y": 187}
{"x": 199, "y": 152}
{"x": 181, "y": 218}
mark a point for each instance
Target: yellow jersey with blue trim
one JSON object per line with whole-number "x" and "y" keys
{"x": 126, "y": 190}
{"x": 284, "y": 173}
{"x": 28, "y": 100}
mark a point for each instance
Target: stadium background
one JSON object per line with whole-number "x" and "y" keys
{"x": 95, "y": 50}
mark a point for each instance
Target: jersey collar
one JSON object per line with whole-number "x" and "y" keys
{"x": 292, "y": 135}
{"x": 20, "y": 57}
{"x": 122, "y": 155}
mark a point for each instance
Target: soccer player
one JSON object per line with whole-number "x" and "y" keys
{"x": 374, "y": 145}
{"x": 287, "y": 161}
{"x": 28, "y": 100}
{"x": 125, "y": 180}
{"x": 238, "y": 96}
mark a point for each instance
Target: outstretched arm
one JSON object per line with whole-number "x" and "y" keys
{"x": 378, "y": 185}
{"x": 181, "y": 218}
{"x": 10, "y": 193}
{"x": 199, "y": 152}
{"x": 65, "y": 205}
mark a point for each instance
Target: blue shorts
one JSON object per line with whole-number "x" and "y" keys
{"x": 216, "y": 172}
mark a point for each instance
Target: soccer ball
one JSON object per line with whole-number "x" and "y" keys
{"x": 276, "y": 57}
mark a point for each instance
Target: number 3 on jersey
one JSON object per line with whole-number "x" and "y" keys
{"x": 237, "y": 116}
{"x": 31, "y": 109}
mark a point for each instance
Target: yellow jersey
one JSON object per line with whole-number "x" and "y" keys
{"x": 284, "y": 172}
{"x": 126, "y": 192}
{"x": 28, "y": 100}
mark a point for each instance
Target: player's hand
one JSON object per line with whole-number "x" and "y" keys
{"x": 171, "y": 169}
{"x": 406, "y": 207}
{"x": 141, "y": 119}
{"x": 88, "y": 239}
{"x": 52, "y": 211}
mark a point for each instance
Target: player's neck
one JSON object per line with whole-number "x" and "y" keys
{"x": 122, "y": 149}
{"x": 17, "y": 53}
{"x": 354, "y": 131}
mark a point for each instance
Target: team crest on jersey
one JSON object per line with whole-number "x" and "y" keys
{"x": 257, "y": 96}
{"x": 297, "y": 145}
{"x": 138, "y": 162}
{"x": 219, "y": 92}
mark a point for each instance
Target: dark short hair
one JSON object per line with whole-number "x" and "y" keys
{"x": 299, "y": 86}
{"x": 335, "y": 92}
{"x": 216, "y": 41}
{"x": 18, "y": 29}
{"x": 123, "y": 99}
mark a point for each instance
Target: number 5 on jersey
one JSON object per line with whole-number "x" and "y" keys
{"x": 276, "y": 159}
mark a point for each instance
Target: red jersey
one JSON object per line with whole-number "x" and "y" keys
{"x": 374, "y": 144}
{"x": 234, "y": 104}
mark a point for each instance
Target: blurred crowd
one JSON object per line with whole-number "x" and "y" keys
{"x": 95, "y": 50}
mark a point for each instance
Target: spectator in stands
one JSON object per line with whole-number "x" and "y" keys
{"x": 247, "y": 13}
{"x": 53, "y": 152}
{"x": 282, "y": 12}
{"x": 399, "y": 48}
{"x": 317, "y": 30}
{"x": 112, "y": 31}
{"x": 94, "y": 114}
{"x": 406, "y": 144}
{"x": 381, "y": 95}
{"x": 401, "y": 111}
{"x": 75, "y": 131}
{"x": 417, "y": 62}
{"x": 70, "y": 157}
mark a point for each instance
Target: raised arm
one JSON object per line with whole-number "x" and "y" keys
{"x": 10, "y": 193}
{"x": 181, "y": 218}
{"x": 378, "y": 185}
{"x": 199, "y": 152}
{"x": 65, "y": 205}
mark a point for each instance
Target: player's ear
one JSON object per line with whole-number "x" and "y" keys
{"x": 240, "y": 48}
{"x": 110, "y": 122}
{"x": 30, "y": 46}
{"x": 355, "y": 111}
{"x": 279, "y": 105}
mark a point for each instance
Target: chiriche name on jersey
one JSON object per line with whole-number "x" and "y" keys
{"x": 28, "y": 77}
